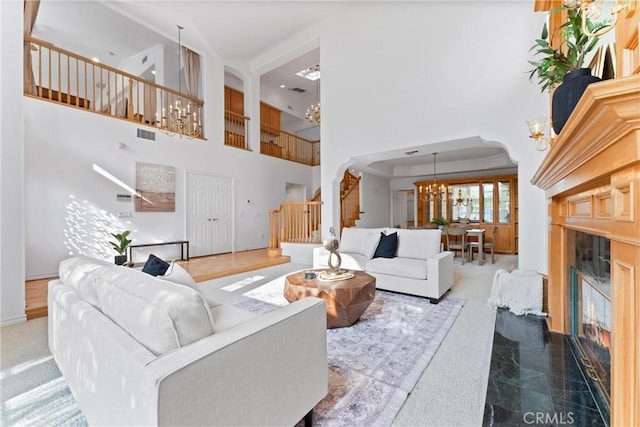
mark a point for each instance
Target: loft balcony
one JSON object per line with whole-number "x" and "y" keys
{"x": 56, "y": 75}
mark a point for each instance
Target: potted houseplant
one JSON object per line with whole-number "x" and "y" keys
{"x": 120, "y": 245}
{"x": 562, "y": 68}
{"x": 440, "y": 222}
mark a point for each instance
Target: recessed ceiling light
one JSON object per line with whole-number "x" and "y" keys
{"x": 153, "y": 72}
{"x": 94, "y": 59}
{"x": 311, "y": 73}
{"x": 282, "y": 86}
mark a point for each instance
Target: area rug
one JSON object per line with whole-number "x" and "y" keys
{"x": 374, "y": 364}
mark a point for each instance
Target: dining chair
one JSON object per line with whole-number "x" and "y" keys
{"x": 456, "y": 241}
{"x": 487, "y": 246}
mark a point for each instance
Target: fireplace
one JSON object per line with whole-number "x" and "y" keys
{"x": 591, "y": 179}
{"x": 589, "y": 310}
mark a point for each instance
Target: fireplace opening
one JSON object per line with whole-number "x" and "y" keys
{"x": 590, "y": 311}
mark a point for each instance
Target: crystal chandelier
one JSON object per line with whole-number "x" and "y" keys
{"x": 433, "y": 191}
{"x": 459, "y": 200}
{"x": 313, "y": 112}
{"x": 183, "y": 117}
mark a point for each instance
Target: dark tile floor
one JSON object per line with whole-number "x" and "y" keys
{"x": 535, "y": 379}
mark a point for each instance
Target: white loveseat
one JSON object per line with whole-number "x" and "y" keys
{"x": 418, "y": 268}
{"x": 139, "y": 350}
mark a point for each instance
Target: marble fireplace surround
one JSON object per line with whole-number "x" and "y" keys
{"x": 591, "y": 177}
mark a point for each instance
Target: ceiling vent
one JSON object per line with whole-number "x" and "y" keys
{"x": 146, "y": 134}
{"x": 297, "y": 89}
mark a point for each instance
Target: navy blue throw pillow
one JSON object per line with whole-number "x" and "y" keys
{"x": 387, "y": 246}
{"x": 155, "y": 266}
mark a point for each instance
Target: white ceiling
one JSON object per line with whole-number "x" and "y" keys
{"x": 239, "y": 31}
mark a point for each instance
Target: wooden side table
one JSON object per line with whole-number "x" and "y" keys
{"x": 346, "y": 299}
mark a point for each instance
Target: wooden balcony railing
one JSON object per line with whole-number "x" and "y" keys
{"x": 60, "y": 76}
{"x": 284, "y": 145}
{"x": 295, "y": 222}
{"x": 235, "y": 130}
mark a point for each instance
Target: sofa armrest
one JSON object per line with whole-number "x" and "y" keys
{"x": 270, "y": 370}
{"x": 440, "y": 269}
{"x": 320, "y": 257}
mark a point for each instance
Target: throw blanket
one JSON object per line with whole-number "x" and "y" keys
{"x": 520, "y": 291}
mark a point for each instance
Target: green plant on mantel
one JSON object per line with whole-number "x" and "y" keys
{"x": 555, "y": 63}
{"x": 122, "y": 242}
{"x": 440, "y": 221}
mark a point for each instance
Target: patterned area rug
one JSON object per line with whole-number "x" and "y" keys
{"x": 374, "y": 364}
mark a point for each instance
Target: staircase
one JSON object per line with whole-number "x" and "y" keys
{"x": 349, "y": 200}
{"x": 294, "y": 222}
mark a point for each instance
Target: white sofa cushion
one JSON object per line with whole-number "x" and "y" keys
{"x": 418, "y": 244}
{"x": 352, "y": 238}
{"x": 176, "y": 274}
{"x": 76, "y": 272}
{"x": 348, "y": 261}
{"x": 369, "y": 244}
{"x": 401, "y": 267}
{"x": 159, "y": 314}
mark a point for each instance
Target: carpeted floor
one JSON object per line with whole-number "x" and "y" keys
{"x": 375, "y": 363}
{"x": 33, "y": 393}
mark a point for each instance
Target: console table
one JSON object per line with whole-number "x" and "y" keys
{"x": 184, "y": 244}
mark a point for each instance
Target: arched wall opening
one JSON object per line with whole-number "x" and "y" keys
{"x": 388, "y": 185}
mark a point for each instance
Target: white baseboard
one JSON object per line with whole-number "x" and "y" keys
{"x": 42, "y": 276}
{"x": 13, "y": 321}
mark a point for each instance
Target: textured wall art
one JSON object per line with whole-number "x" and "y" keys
{"x": 155, "y": 187}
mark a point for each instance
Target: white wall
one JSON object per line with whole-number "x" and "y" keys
{"x": 12, "y": 256}
{"x": 375, "y": 201}
{"x": 70, "y": 207}
{"x": 435, "y": 71}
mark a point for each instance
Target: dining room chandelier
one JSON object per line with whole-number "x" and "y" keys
{"x": 459, "y": 200}
{"x": 434, "y": 191}
{"x": 313, "y": 112}
{"x": 183, "y": 117}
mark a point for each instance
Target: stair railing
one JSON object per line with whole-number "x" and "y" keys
{"x": 349, "y": 200}
{"x": 295, "y": 222}
{"x": 60, "y": 76}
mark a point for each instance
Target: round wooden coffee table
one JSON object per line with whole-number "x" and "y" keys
{"x": 346, "y": 299}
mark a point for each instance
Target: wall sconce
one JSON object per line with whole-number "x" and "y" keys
{"x": 592, "y": 9}
{"x": 537, "y": 128}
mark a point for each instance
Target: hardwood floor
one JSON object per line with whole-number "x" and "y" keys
{"x": 200, "y": 268}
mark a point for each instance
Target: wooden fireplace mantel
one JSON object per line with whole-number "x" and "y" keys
{"x": 601, "y": 136}
{"x": 591, "y": 178}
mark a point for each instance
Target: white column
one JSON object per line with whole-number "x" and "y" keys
{"x": 12, "y": 248}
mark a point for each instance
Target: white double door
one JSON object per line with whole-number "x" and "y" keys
{"x": 209, "y": 214}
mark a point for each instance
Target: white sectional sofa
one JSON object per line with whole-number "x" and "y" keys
{"x": 140, "y": 350}
{"x": 418, "y": 267}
